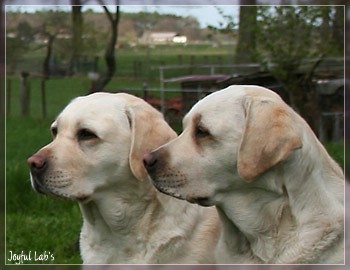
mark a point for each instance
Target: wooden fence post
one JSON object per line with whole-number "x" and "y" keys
{"x": 145, "y": 92}
{"x": 179, "y": 59}
{"x": 25, "y": 94}
{"x": 43, "y": 98}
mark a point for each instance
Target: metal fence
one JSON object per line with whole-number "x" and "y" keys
{"x": 145, "y": 67}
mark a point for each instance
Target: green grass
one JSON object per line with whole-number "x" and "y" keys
{"x": 336, "y": 150}
{"x": 58, "y": 93}
{"x": 35, "y": 222}
{"x": 142, "y": 61}
{"x": 147, "y": 59}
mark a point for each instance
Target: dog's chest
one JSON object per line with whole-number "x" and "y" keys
{"x": 106, "y": 249}
{"x": 99, "y": 248}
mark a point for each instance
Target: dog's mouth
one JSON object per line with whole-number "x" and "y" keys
{"x": 83, "y": 199}
{"x": 53, "y": 193}
{"x": 202, "y": 201}
{"x": 41, "y": 188}
{"x": 37, "y": 186}
{"x": 167, "y": 191}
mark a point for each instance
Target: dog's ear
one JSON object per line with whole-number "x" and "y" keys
{"x": 149, "y": 131}
{"x": 269, "y": 137}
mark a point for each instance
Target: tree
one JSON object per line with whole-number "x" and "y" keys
{"x": 338, "y": 29}
{"x": 282, "y": 37}
{"x": 18, "y": 39}
{"x": 286, "y": 36}
{"x": 53, "y": 26}
{"x": 144, "y": 21}
{"x": 110, "y": 50}
{"x": 245, "y": 49}
{"x": 15, "y": 47}
{"x": 25, "y": 32}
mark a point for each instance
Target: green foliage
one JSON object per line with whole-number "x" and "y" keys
{"x": 287, "y": 35}
{"x": 25, "y": 32}
{"x": 228, "y": 26}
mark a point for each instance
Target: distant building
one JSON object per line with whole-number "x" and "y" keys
{"x": 180, "y": 39}
{"x": 163, "y": 37}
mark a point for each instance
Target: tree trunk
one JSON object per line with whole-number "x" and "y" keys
{"x": 246, "y": 33}
{"x": 338, "y": 28}
{"x": 110, "y": 52}
{"x": 326, "y": 26}
{"x": 77, "y": 30}
{"x": 46, "y": 65}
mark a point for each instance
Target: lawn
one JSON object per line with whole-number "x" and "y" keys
{"x": 36, "y": 223}
{"x": 142, "y": 62}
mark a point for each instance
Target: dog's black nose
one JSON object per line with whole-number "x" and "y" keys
{"x": 150, "y": 161}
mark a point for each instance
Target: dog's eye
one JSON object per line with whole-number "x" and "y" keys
{"x": 54, "y": 131}
{"x": 202, "y": 132}
{"x": 86, "y": 135}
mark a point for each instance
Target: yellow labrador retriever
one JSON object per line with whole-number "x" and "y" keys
{"x": 96, "y": 159}
{"x": 279, "y": 195}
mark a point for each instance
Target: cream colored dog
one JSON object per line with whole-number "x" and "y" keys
{"x": 279, "y": 195}
{"x": 96, "y": 159}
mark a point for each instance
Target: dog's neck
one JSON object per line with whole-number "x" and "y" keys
{"x": 251, "y": 219}
{"x": 118, "y": 209}
{"x": 281, "y": 210}
{"x": 128, "y": 225}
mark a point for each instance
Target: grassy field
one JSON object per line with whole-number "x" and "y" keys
{"x": 141, "y": 62}
{"x": 59, "y": 92}
{"x": 35, "y": 223}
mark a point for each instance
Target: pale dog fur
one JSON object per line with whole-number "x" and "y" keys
{"x": 279, "y": 194}
{"x": 125, "y": 219}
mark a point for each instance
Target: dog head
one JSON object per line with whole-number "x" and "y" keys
{"x": 230, "y": 137}
{"x": 98, "y": 143}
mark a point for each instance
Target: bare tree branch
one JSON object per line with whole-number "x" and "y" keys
{"x": 110, "y": 50}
